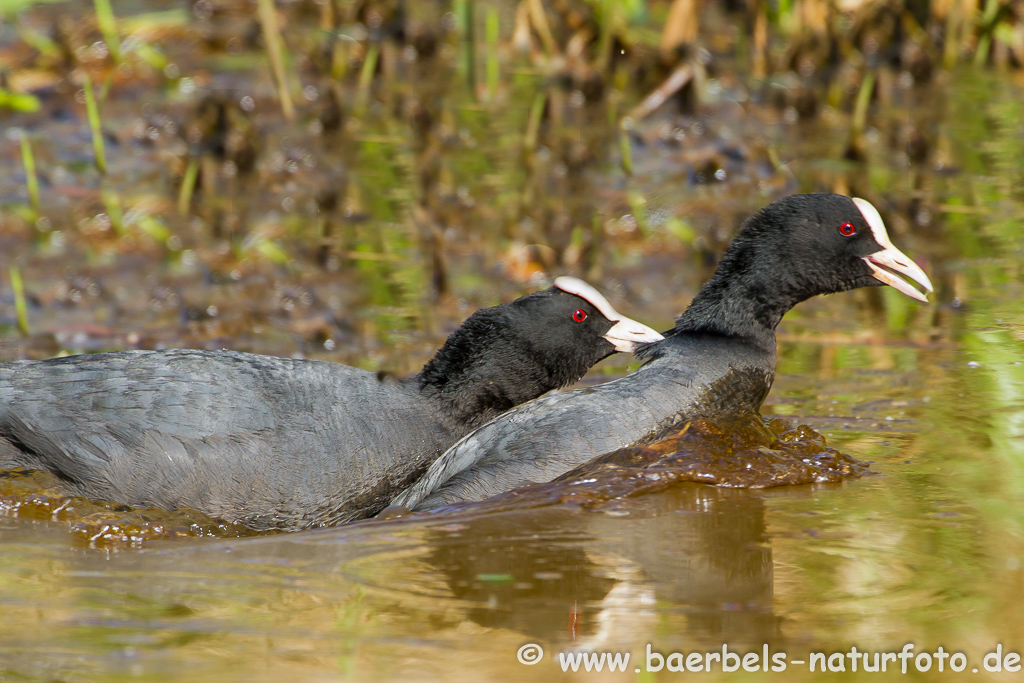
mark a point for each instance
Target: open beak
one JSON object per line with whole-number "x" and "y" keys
{"x": 891, "y": 260}
{"x": 625, "y": 335}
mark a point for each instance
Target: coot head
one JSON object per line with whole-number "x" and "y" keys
{"x": 825, "y": 243}
{"x": 572, "y": 319}
{"x": 791, "y": 250}
{"x": 505, "y": 355}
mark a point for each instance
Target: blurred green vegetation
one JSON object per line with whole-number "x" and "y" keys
{"x": 412, "y": 136}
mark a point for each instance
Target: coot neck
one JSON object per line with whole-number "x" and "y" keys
{"x": 743, "y": 299}
{"x": 479, "y": 373}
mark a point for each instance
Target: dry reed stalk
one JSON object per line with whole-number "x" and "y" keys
{"x": 540, "y": 25}
{"x": 673, "y": 84}
{"x": 760, "y": 56}
{"x": 275, "y": 50}
{"x": 681, "y": 26}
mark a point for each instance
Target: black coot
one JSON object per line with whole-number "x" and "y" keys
{"x": 719, "y": 358}
{"x": 279, "y": 443}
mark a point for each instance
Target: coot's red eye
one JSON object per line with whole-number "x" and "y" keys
{"x": 580, "y": 315}
{"x": 847, "y": 229}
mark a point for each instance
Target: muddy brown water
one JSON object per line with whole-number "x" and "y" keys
{"x": 368, "y": 246}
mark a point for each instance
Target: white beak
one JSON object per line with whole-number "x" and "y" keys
{"x": 890, "y": 257}
{"x": 626, "y": 335}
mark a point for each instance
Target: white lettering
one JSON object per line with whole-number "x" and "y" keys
{"x": 998, "y": 656}
{"x": 906, "y": 653}
{"x": 726, "y": 666}
{"x": 592, "y": 661}
{"x": 650, "y": 656}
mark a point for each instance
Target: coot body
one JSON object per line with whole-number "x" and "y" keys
{"x": 282, "y": 443}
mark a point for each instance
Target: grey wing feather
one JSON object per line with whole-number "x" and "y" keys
{"x": 185, "y": 428}
{"x": 539, "y": 440}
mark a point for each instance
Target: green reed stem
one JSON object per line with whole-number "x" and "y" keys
{"x": 93, "y": 112}
{"x": 626, "y": 151}
{"x": 366, "y": 77}
{"x": 20, "y": 307}
{"x": 988, "y": 25}
{"x": 638, "y": 205}
{"x": 951, "y": 49}
{"x": 604, "y": 41}
{"x": 493, "y": 33}
{"x": 113, "y": 206}
{"x": 533, "y": 123}
{"x": 108, "y": 27}
{"x": 31, "y": 180}
{"x": 188, "y": 187}
{"x": 860, "y": 110}
{"x": 45, "y": 45}
{"x": 467, "y": 21}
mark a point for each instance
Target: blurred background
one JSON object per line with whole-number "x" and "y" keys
{"x": 349, "y": 179}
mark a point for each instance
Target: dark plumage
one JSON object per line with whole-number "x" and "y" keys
{"x": 719, "y": 358}
{"x": 279, "y": 443}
